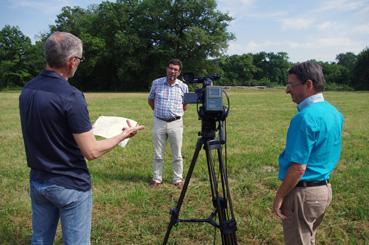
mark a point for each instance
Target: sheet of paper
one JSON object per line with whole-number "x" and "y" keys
{"x": 109, "y": 126}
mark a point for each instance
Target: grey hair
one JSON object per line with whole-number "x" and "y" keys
{"x": 309, "y": 70}
{"x": 59, "y": 47}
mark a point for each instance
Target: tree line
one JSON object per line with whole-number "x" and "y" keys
{"x": 128, "y": 43}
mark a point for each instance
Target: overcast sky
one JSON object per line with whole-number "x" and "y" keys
{"x": 305, "y": 29}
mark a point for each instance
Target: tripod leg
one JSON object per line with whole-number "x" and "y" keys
{"x": 230, "y": 225}
{"x": 175, "y": 212}
{"x": 224, "y": 177}
{"x": 221, "y": 203}
{"x": 217, "y": 200}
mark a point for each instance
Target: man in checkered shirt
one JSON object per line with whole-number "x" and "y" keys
{"x": 166, "y": 100}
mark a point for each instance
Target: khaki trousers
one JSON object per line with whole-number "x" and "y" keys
{"x": 305, "y": 208}
{"x": 173, "y": 131}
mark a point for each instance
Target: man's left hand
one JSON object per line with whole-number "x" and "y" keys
{"x": 277, "y": 204}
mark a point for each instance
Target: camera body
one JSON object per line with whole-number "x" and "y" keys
{"x": 209, "y": 96}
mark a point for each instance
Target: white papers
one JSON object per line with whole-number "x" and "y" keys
{"x": 107, "y": 127}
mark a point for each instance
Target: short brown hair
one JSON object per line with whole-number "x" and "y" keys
{"x": 176, "y": 62}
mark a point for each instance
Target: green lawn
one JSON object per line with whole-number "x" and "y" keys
{"x": 127, "y": 211}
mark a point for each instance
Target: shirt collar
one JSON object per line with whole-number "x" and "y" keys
{"x": 310, "y": 100}
{"x": 176, "y": 82}
{"x": 50, "y": 73}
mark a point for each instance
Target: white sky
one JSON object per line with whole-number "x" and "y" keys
{"x": 314, "y": 29}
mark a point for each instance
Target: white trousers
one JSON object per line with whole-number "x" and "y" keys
{"x": 161, "y": 132}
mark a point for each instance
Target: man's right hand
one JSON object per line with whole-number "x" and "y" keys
{"x": 92, "y": 149}
{"x": 131, "y": 131}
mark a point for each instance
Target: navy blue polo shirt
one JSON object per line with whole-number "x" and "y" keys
{"x": 51, "y": 111}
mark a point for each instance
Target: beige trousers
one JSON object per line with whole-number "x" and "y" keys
{"x": 173, "y": 131}
{"x": 305, "y": 208}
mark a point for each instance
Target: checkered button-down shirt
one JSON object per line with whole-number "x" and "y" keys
{"x": 168, "y": 98}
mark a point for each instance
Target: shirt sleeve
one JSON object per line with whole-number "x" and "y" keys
{"x": 301, "y": 137}
{"x": 185, "y": 88}
{"x": 152, "y": 91}
{"x": 184, "y": 91}
{"x": 77, "y": 114}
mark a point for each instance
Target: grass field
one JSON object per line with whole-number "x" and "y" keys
{"x": 127, "y": 211}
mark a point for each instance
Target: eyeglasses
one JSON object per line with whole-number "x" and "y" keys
{"x": 81, "y": 59}
{"x": 292, "y": 85}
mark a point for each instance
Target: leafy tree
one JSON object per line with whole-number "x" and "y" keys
{"x": 333, "y": 72}
{"x": 237, "y": 69}
{"x": 131, "y": 41}
{"x": 271, "y": 66}
{"x": 346, "y": 63}
{"x": 278, "y": 67}
{"x": 347, "y": 60}
{"x": 15, "y": 50}
{"x": 360, "y": 79}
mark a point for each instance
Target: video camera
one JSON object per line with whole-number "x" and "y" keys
{"x": 211, "y": 97}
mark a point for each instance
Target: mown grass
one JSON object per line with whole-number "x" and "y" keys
{"x": 127, "y": 211}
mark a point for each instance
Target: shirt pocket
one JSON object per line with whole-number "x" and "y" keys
{"x": 162, "y": 94}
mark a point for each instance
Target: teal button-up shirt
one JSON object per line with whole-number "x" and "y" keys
{"x": 314, "y": 139}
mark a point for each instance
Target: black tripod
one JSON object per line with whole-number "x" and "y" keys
{"x": 220, "y": 192}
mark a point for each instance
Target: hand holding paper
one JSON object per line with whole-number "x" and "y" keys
{"x": 131, "y": 130}
{"x": 108, "y": 126}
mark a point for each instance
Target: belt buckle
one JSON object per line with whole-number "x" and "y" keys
{"x": 173, "y": 119}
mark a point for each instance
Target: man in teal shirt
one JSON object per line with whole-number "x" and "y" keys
{"x": 312, "y": 150}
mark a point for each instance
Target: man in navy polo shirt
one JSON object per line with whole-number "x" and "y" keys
{"x": 58, "y": 137}
{"x": 312, "y": 150}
